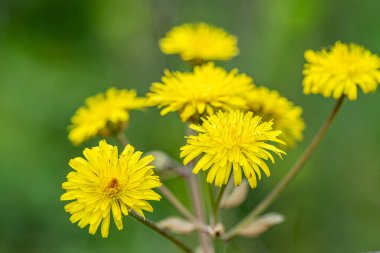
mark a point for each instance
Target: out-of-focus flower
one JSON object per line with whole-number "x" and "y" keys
{"x": 105, "y": 184}
{"x": 203, "y": 91}
{"x": 340, "y": 71}
{"x": 269, "y": 104}
{"x": 199, "y": 42}
{"x": 232, "y": 141}
{"x": 103, "y": 114}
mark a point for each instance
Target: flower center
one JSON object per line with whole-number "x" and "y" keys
{"x": 112, "y": 188}
{"x": 233, "y": 139}
{"x": 348, "y": 66}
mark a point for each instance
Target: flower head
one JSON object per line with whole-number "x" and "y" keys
{"x": 103, "y": 114}
{"x": 200, "y": 92}
{"x": 340, "y": 71}
{"x": 269, "y": 104}
{"x": 105, "y": 183}
{"x": 199, "y": 42}
{"x": 232, "y": 141}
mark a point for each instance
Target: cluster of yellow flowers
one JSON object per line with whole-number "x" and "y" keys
{"x": 236, "y": 125}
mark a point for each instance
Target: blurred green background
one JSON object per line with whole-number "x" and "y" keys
{"x": 53, "y": 54}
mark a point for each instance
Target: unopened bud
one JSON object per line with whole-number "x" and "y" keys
{"x": 236, "y": 196}
{"x": 261, "y": 225}
{"x": 176, "y": 225}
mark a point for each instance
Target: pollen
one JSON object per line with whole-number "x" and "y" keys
{"x": 113, "y": 188}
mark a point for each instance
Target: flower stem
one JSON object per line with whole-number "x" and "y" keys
{"x": 176, "y": 203}
{"x": 153, "y": 226}
{"x": 281, "y": 186}
{"x": 195, "y": 194}
{"x": 216, "y": 204}
{"x": 122, "y": 138}
{"x": 198, "y": 208}
{"x": 211, "y": 198}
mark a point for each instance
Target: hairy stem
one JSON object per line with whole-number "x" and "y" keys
{"x": 153, "y": 226}
{"x": 281, "y": 186}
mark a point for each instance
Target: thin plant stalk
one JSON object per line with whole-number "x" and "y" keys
{"x": 195, "y": 195}
{"x": 122, "y": 138}
{"x": 199, "y": 212}
{"x": 154, "y": 227}
{"x": 281, "y": 186}
{"x": 211, "y": 198}
{"x": 216, "y": 204}
{"x": 176, "y": 203}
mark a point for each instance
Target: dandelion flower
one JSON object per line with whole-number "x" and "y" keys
{"x": 200, "y": 92}
{"x": 232, "y": 141}
{"x": 103, "y": 114}
{"x": 269, "y": 104}
{"x": 105, "y": 183}
{"x": 199, "y": 42}
{"x": 340, "y": 71}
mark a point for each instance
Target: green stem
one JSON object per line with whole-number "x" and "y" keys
{"x": 281, "y": 186}
{"x": 211, "y": 200}
{"x": 216, "y": 204}
{"x": 153, "y": 226}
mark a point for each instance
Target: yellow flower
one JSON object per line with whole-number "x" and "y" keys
{"x": 106, "y": 183}
{"x": 340, "y": 71}
{"x": 269, "y": 104}
{"x": 199, "y": 42}
{"x": 200, "y": 92}
{"x": 103, "y": 114}
{"x": 232, "y": 141}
